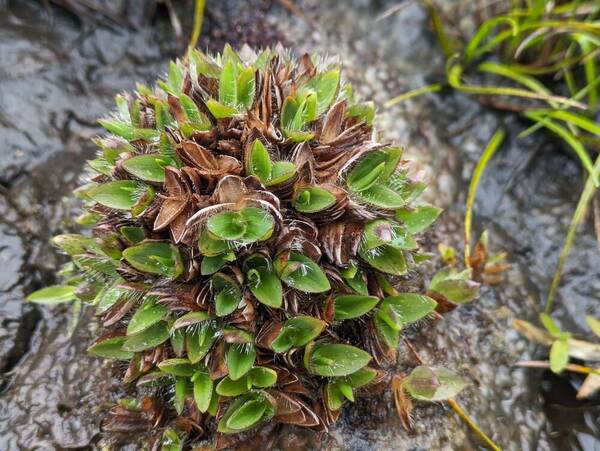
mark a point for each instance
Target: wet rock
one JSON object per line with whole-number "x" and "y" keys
{"x": 56, "y": 81}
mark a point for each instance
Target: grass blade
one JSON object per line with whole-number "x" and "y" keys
{"x": 487, "y": 154}
{"x": 454, "y": 73}
{"x": 436, "y": 87}
{"x": 585, "y": 198}
{"x": 198, "y": 19}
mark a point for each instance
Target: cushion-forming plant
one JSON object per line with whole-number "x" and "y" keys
{"x": 252, "y": 248}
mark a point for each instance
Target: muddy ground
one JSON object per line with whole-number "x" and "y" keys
{"x": 62, "y": 62}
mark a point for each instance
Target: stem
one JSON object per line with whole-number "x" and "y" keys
{"x": 488, "y": 152}
{"x": 198, "y": 19}
{"x": 584, "y": 200}
{"x": 461, "y": 413}
{"x": 436, "y": 87}
{"x": 570, "y": 367}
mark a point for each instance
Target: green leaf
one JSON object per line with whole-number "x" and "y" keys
{"x": 418, "y": 219}
{"x": 199, "y": 341}
{"x": 74, "y": 244}
{"x": 593, "y": 323}
{"x": 228, "y": 85}
{"x": 262, "y": 280}
{"x": 280, "y": 172}
{"x": 228, "y": 387}
{"x": 133, "y": 234}
{"x": 175, "y": 78}
{"x": 190, "y": 109}
{"x": 262, "y": 377}
{"x": 297, "y": 332}
{"x": 288, "y": 112}
{"x": 148, "y": 338}
{"x": 405, "y": 308}
{"x": 454, "y": 286}
{"x": 110, "y": 348}
{"x": 178, "y": 342}
{"x": 177, "y": 367}
{"x": 155, "y": 257}
{"x": 365, "y": 174}
{"x": 210, "y": 245}
{"x": 313, "y": 199}
{"x": 220, "y": 111}
{"x": 119, "y": 194}
{"x": 227, "y": 294}
{"x": 247, "y": 225}
{"x": 382, "y": 196}
{"x": 433, "y": 384}
{"x": 147, "y": 167}
{"x": 559, "y": 355}
{"x": 259, "y": 163}
{"x": 247, "y": 415}
{"x": 211, "y": 264}
{"x": 353, "y": 306}
{"x": 54, "y": 294}
{"x": 326, "y": 87}
{"x": 388, "y": 334}
{"x": 203, "y": 390}
{"x": 190, "y": 319}
{"x": 386, "y": 258}
{"x": 148, "y": 314}
{"x": 240, "y": 358}
{"x": 245, "y": 88}
{"x": 180, "y": 394}
{"x": 550, "y": 325}
{"x": 333, "y": 360}
{"x": 360, "y": 378}
{"x": 355, "y": 280}
{"x": 334, "y": 397}
{"x": 301, "y": 273}
{"x": 123, "y": 129}
{"x": 162, "y": 115}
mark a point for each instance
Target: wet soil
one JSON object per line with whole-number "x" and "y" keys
{"x": 61, "y": 66}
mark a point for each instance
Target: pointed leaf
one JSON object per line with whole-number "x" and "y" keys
{"x": 119, "y": 194}
{"x": 313, "y": 199}
{"x": 148, "y": 338}
{"x": 54, "y": 294}
{"x": 353, "y": 306}
{"x": 227, "y": 294}
{"x": 387, "y": 259}
{"x": 418, "y": 219}
{"x": 259, "y": 163}
{"x": 297, "y": 332}
{"x": 147, "y": 167}
{"x": 240, "y": 358}
{"x": 155, "y": 257}
{"x": 262, "y": 280}
{"x": 331, "y": 360}
{"x": 301, "y": 273}
{"x": 203, "y": 390}
{"x": 559, "y": 355}
{"x": 110, "y": 348}
{"x": 177, "y": 367}
{"x": 148, "y": 314}
{"x": 433, "y": 384}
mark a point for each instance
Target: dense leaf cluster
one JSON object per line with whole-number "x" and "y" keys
{"x": 250, "y": 248}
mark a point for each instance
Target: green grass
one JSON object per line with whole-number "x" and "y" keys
{"x": 540, "y": 58}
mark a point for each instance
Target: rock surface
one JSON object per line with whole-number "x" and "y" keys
{"x": 59, "y": 71}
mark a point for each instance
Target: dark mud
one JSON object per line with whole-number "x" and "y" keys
{"x": 60, "y": 69}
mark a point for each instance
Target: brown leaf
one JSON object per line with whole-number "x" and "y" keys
{"x": 403, "y": 403}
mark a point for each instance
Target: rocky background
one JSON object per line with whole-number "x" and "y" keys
{"x": 62, "y": 62}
